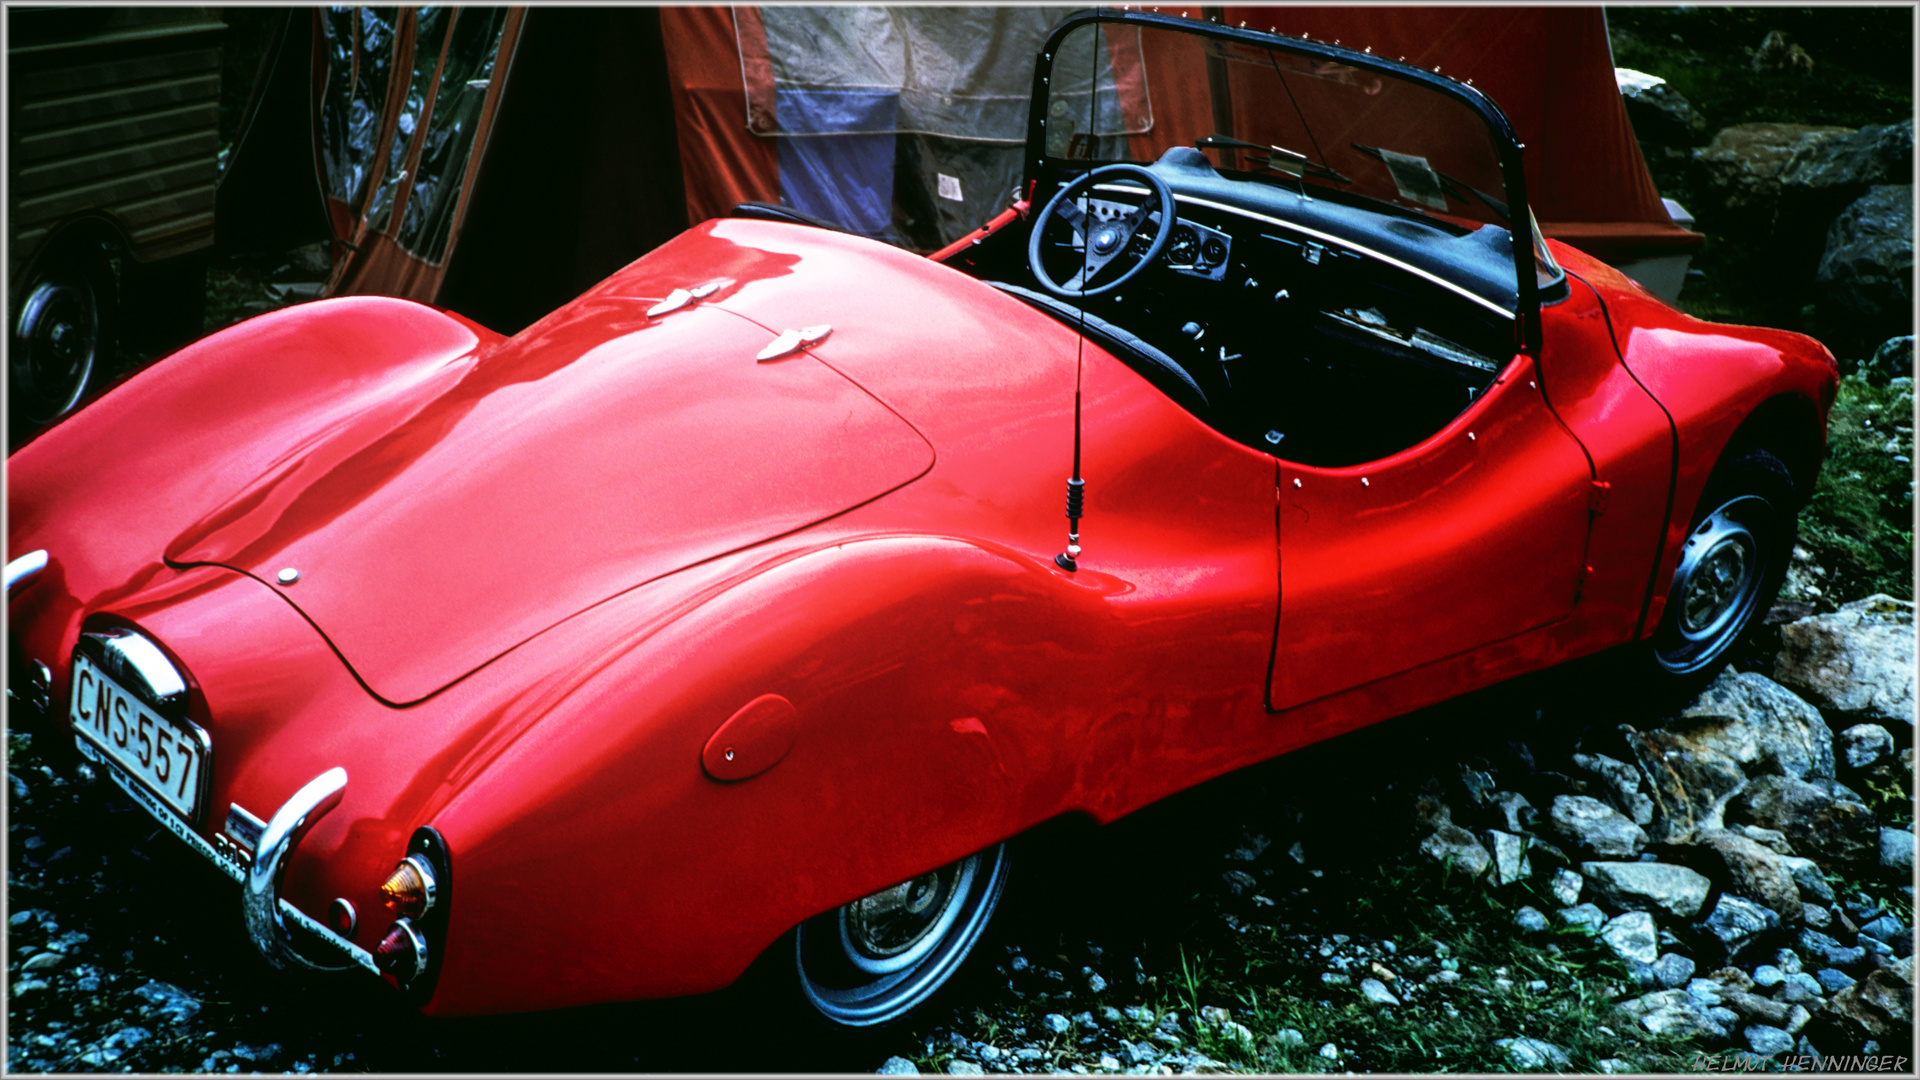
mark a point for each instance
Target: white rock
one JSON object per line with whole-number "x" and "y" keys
{"x": 1566, "y": 887}
{"x": 898, "y": 1066}
{"x": 1509, "y": 857}
{"x": 1330, "y": 1052}
{"x": 1633, "y": 937}
{"x": 1644, "y": 886}
{"x": 1896, "y": 854}
{"x": 1863, "y": 744}
{"x": 1856, "y": 660}
{"x": 1534, "y": 1055}
{"x": 1587, "y": 822}
{"x": 1376, "y": 992}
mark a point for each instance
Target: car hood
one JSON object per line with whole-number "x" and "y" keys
{"x": 493, "y": 496}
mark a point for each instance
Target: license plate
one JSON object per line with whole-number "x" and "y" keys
{"x": 167, "y": 757}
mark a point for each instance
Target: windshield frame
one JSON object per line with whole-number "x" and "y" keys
{"x": 1048, "y": 171}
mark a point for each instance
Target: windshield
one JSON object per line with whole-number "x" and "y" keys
{"x": 1127, "y": 92}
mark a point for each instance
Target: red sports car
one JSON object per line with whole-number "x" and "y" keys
{"x": 732, "y": 607}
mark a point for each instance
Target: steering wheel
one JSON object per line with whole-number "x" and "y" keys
{"x": 1102, "y": 240}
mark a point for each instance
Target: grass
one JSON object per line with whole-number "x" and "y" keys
{"x": 1859, "y": 523}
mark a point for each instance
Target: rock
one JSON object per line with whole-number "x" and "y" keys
{"x": 1530, "y": 920}
{"x": 1674, "y": 1014}
{"x": 1758, "y": 723}
{"x": 961, "y": 1067}
{"x": 1811, "y": 817}
{"x": 1330, "y": 1052}
{"x": 116, "y": 1045}
{"x": 1736, "y": 922}
{"x": 1095, "y": 984}
{"x": 1833, "y": 981}
{"x": 1672, "y": 970}
{"x": 1513, "y": 813}
{"x": 1689, "y": 787}
{"x": 1863, "y": 744}
{"x": 1886, "y": 928}
{"x": 1879, "y": 1005}
{"x": 1744, "y": 868}
{"x": 1566, "y": 887}
{"x": 1109, "y": 1063}
{"x": 1645, "y": 886}
{"x": 1808, "y": 879}
{"x": 1658, "y": 112}
{"x": 1866, "y": 273}
{"x": 1534, "y": 1054}
{"x": 1738, "y": 171}
{"x": 897, "y": 1066}
{"x": 1856, "y": 661}
{"x": 1632, "y": 937}
{"x": 1896, "y": 854}
{"x": 1892, "y": 360}
{"x": 1614, "y": 1066}
{"x": 1455, "y": 847}
{"x": 1773, "y": 841}
{"x": 1822, "y": 178}
{"x": 1056, "y": 1023}
{"x": 1816, "y": 916}
{"x": 1756, "y": 1008}
{"x": 1768, "y": 1040}
{"x": 1586, "y": 917}
{"x": 1586, "y": 822}
{"x": 1787, "y": 961}
{"x": 1622, "y": 784}
{"x": 1827, "y": 951}
{"x": 1377, "y": 993}
{"x": 1287, "y": 1038}
{"x": 1779, "y": 54}
{"x": 1509, "y": 857}
{"x": 44, "y": 961}
{"x": 168, "y": 1002}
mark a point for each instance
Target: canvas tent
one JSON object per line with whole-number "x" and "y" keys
{"x": 498, "y": 161}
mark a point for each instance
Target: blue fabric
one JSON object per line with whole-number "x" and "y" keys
{"x": 845, "y": 179}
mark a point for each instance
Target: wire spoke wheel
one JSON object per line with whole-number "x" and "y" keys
{"x": 880, "y": 957}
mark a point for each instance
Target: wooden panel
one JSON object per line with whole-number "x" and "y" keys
{"x": 85, "y": 108}
{"x": 116, "y": 161}
{"x": 61, "y": 81}
{"x": 118, "y": 195}
{"x": 118, "y": 131}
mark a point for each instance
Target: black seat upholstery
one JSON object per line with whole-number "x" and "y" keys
{"x": 1155, "y": 366}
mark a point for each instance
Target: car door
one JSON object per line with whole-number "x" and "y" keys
{"x": 1473, "y": 536}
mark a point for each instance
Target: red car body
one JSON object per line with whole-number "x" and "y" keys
{"x": 548, "y": 582}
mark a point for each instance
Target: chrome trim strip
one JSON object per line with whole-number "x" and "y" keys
{"x": 1337, "y": 241}
{"x": 21, "y": 570}
{"x": 260, "y": 893}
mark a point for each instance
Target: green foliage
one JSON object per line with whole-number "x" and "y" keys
{"x": 1859, "y": 523}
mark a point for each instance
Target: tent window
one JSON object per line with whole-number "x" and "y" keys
{"x": 359, "y": 60}
{"x": 430, "y": 32}
{"x": 428, "y": 219}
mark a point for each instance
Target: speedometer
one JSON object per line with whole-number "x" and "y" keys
{"x": 1185, "y": 247}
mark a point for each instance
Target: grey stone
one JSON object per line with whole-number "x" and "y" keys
{"x": 1768, "y": 975}
{"x": 1689, "y": 785}
{"x": 1856, "y": 661}
{"x": 1773, "y": 841}
{"x": 1736, "y": 922}
{"x": 1377, "y": 993}
{"x": 1660, "y": 115}
{"x": 1866, "y": 272}
{"x": 1673, "y": 1013}
{"x": 1817, "y": 916}
{"x": 1622, "y": 784}
{"x": 1566, "y": 886}
{"x": 1826, "y": 951}
{"x": 1820, "y": 179}
{"x": 962, "y": 1067}
{"x": 168, "y": 1002}
{"x": 897, "y": 1066}
{"x": 1896, "y": 854}
{"x": 48, "y": 960}
{"x": 1586, "y": 822}
{"x": 1808, "y": 879}
{"x": 1863, "y": 744}
{"x": 1330, "y": 1052}
{"x": 1288, "y": 1037}
{"x": 1095, "y": 984}
{"x": 1615, "y": 1066}
{"x": 1738, "y": 171}
{"x": 1530, "y": 920}
{"x": 1534, "y": 1054}
{"x": 1586, "y": 917}
{"x": 1886, "y": 928}
{"x": 1768, "y": 1040}
{"x": 1811, "y": 816}
{"x": 1756, "y": 1008}
{"x": 1632, "y": 937}
{"x": 1744, "y": 868}
{"x": 1451, "y": 845}
{"x": 1644, "y": 886}
{"x": 1833, "y": 981}
{"x": 1509, "y": 857}
{"x": 1056, "y": 1023}
{"x": 1513, "y": 812}
{"x": 1759, "y": 724}
{"x": 1672, "y": 970}
{"x": 1892, "y": 360}
{"x": 1109, "y": 1063}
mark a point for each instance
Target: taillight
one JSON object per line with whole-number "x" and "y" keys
{"x": 402, "y": 953}
{"x": 410, "y": 889}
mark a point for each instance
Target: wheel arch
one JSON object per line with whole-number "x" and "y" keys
{"x": 1789, "y": 426}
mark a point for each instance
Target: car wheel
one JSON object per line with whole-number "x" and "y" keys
{"x": 1731, "y": 566}
{"x": 875, "y": 960}
{"x": 62, "y": 336}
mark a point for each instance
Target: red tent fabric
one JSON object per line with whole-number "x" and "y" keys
{"x": 725, "y": 164}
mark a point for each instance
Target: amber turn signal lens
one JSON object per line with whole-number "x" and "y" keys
{"x": 409, "y": 889}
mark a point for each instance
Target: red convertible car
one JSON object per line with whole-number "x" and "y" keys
{"x": 731, "y": 607}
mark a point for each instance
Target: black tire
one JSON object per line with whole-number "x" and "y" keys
{"x": 1734, "y": 559}
{"x": 845, "y": 979}
{"x": 62, "y": 339}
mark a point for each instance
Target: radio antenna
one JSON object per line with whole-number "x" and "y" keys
{"x": 1069, "y": 559}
